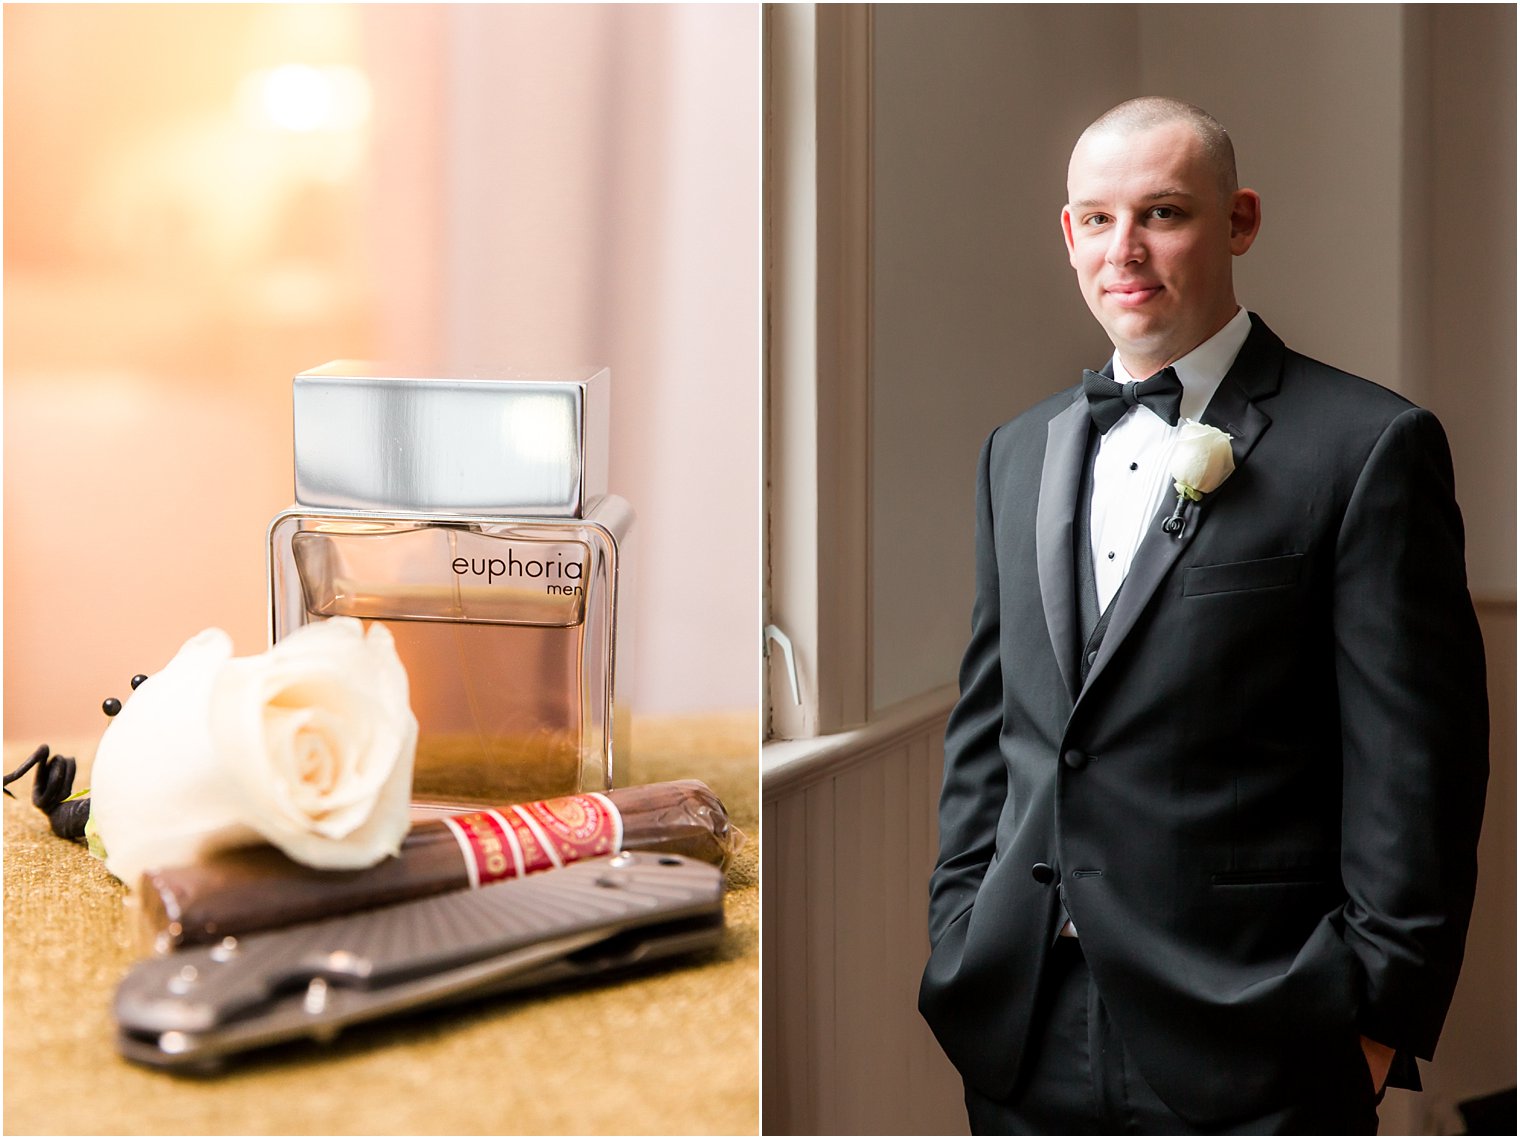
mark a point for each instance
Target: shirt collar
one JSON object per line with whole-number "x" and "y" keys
{"x": 1202, "y": 370}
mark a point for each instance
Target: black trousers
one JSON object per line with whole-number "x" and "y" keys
{"x": 1081, "y": 1080}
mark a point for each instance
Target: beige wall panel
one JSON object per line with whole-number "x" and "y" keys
{"x": 1472, "y": 218}
{"x": 976, "y": 313}
{"x": 1313, "y": 96}
{"x": 850, "y": 891}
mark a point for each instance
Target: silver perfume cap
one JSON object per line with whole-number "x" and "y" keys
{"x": 374, "y": 436}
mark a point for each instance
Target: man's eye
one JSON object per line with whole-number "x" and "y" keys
{"x": 1164, "y": 213}
{"x": 1097, "y": 219}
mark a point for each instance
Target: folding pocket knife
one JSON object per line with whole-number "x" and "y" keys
{"x": 193, "y": 1008}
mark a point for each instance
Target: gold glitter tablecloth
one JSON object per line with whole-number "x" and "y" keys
{"x": 671, "y": 1052}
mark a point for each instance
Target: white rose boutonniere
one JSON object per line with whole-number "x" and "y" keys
{"x": 1201, "y": 460}
{"x": 308, "y": 746}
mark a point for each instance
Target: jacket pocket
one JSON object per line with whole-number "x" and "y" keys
{"x": 1229, "y": 577}
{"x": 1270, "y": 876}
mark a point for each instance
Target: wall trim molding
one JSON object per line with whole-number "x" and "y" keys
{"x": 818, "y": 227}
{"x": 786, "y": 766}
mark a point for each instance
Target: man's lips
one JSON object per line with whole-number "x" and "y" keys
{"x": 1132, "y": 296}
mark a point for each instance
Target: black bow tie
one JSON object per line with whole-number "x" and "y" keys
{"x": 1108, "y": 401}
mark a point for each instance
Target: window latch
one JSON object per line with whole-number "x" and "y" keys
{"x": 772, "y": 633}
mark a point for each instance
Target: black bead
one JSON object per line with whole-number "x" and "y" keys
{"x": 110, "y": 705}
{"x": 138, "y": 679}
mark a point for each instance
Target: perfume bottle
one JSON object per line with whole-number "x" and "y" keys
{"x": 468, "y": 512}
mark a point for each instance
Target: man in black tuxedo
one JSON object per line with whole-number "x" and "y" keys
{"x": 1214, "y": 782}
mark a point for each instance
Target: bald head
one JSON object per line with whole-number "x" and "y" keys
{"x": 1152, "y": 224}
{"x": 1149, "y": 111}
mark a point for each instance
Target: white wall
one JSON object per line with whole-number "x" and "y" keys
{"x": 976, "y": 315}
{"x": 601, "y": 201}
{"x": 1472, "y": 299}
{"x": 1471, "y": 212}
{"x": 1365, "y": 260}
{"x": 1323, "y": 148}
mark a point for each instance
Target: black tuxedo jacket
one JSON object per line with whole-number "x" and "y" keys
{"x": 1261, "y": 807}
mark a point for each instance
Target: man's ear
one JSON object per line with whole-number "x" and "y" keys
{"x": 1245, "y": 220}
{"x": 1066, "y": 232}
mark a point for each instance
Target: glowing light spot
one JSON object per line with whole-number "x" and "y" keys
{"x": 300, "y": 98}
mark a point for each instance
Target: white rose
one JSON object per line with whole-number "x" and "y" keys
{"x": 1201, "y": 459}
{"x": 308, "y": 746}
{"x": 157, "y": 794}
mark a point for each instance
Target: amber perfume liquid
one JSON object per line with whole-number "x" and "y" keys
{"x": 507, "y": 628}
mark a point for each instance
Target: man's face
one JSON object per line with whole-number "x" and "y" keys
{"x": 1150, "y": 232}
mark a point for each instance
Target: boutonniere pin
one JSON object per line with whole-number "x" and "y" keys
{"x": 1201, "y": 460}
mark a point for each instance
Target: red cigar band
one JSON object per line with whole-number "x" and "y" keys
{"x": 519, "y": 840}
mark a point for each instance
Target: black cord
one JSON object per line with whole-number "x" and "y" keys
{"x": 51, "y": 788}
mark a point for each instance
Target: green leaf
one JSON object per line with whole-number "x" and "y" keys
{"x": 92, "y": 836}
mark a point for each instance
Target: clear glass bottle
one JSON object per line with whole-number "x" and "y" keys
{"x": 469, "y": 514}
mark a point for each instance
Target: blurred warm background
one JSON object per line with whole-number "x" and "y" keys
{"x": 201, "y": 201}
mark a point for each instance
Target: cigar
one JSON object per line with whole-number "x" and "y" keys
{"x": 256, "y": 887}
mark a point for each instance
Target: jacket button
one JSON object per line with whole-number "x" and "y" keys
{"x": 1074, "y": 759}
{"x": 1043, "y": 874}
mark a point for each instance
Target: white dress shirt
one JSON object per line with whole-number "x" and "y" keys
{"x": 1130, "y": 479}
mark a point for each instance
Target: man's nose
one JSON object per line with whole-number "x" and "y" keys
{"x": 1126, "y": 244}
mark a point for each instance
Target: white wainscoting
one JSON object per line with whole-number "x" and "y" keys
{"x": 848, "y": 841}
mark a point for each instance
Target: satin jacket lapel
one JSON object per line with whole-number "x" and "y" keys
{"x": 1060, "y": 478}
{"x": 1255, "y": 373}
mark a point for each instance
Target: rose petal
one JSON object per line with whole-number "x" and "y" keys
{"x": 157, "y": 794}
{"x": 318, "y": 736}
{"x": 1201, "y": 457}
